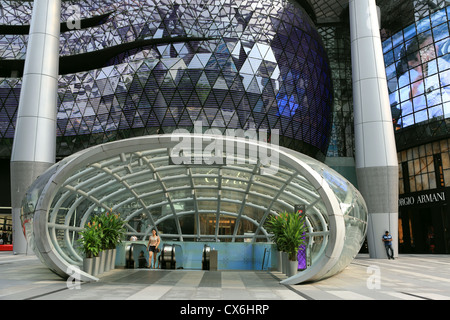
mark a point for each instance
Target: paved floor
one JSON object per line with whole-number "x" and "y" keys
{"x": 410, "y": 277}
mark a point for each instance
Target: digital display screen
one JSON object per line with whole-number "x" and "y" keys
{"x": 417, "y": 64}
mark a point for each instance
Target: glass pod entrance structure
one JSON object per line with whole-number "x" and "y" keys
{"x": 222, "y": 191}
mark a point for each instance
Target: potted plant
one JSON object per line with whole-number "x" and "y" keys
{"x": 274, "y": 225}
{"x": 288, "y": 231}
{"x": 113, "y": 231}
{"x": 90, "y": 241}
{"x": 100, "y": 222}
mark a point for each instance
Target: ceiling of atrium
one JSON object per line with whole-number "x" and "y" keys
{"x": 328, "y": 11}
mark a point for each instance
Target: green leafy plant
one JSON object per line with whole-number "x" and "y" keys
{"x": 288, "y": 232}
{"x": 90, "y": 239}
{"x": 103, "y": 232}
{"x": 113, "y": 230}
{"x": 274, "y": 226}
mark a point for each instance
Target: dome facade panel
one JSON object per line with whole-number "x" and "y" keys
{"x": 176, "y": 64}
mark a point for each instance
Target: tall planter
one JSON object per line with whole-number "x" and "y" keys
{"x": 285, "y": 259}
{"x": 280, "y": 261}
{"x": 113, "y": 232}
{"x": 110, "y": 230}
{"x": 90, "y": 241}
{"x": 101, "y": 267}
{"x": 292, "y": 268}
{"x": 113, "y": 259}
{"x": 96, "y": 266}
{"x": 108, "y": 260}
{"x": 88, "y": 265}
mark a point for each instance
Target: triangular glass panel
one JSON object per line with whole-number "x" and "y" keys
{"x": 255, "y": 63}
{"x": 212, "y": 76}
{"x": 220, "y": 84}
{"x": 236, "y": 97}
{"x": 194, "y": 112}
{"x": 254, "y": 86}
{"x": 201, "y": 95}
{"x": 185, "y": 119}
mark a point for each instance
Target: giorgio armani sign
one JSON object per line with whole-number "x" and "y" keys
{"x": 432, "y": 197}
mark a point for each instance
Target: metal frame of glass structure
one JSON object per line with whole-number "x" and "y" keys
{"x": 137, "y": 179}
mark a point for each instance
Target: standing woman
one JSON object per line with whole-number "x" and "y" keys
{"x": 153, "y": 243}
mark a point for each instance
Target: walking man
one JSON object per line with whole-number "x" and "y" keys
{"x": 387, "y": 239}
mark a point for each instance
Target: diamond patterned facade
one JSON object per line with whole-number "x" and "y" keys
{"x": 229, "y": 64}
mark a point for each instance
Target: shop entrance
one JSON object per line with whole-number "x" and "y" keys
{"x": 424, "y": 230}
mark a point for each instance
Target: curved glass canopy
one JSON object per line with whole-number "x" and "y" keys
{"x": 228, "y": 199}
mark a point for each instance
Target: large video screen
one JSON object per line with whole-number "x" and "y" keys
{"x": 417, "y": 61}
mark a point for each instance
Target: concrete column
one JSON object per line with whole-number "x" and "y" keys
{"x": 34, "y": 144}
{"x": 375, "y": 150}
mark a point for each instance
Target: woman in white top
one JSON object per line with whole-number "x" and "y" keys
{"x": 153, "y": 243}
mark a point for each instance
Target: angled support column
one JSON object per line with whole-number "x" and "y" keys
{"x": 34, "y": 144}
{"x": 375, "y": 150}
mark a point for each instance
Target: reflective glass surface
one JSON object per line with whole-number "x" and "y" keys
{"x": 417, "y": 63}
{"x": 337, "y": 44}
{"x": 229, "y": 64}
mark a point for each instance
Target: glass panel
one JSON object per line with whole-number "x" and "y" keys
{"x": 263, "y": 189}
{"x": 226, "y": 225}
{"x": 246, "y": 227}
{"x": 280, "y": 207}
{"x": 226, "y": 206}
{"x": 149, "y": 187}
{"x": 187, "y": 224}
{"x": 207, "y": 205}
{"x": 253, "y": 213}
{"x": 172, "y": 171}
{"x": 315, "y": 222}
{"x": 233, "y": 183}
{"x": 207, "y": 224}
{"x": 168, "y": 226}
{"x": 259, "y": 200}
{"x": 316, "y": 245}
{"x": 268, "y": 181}
{"x": 207, "y": 193}
{"x": 233, "y": 195}
{"x": 154, "y": 199}
{"x": 176, "y": 182}
{"x": 181, "y": 194}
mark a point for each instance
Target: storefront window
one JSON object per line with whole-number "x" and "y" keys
{"x": 5, "y": 229}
